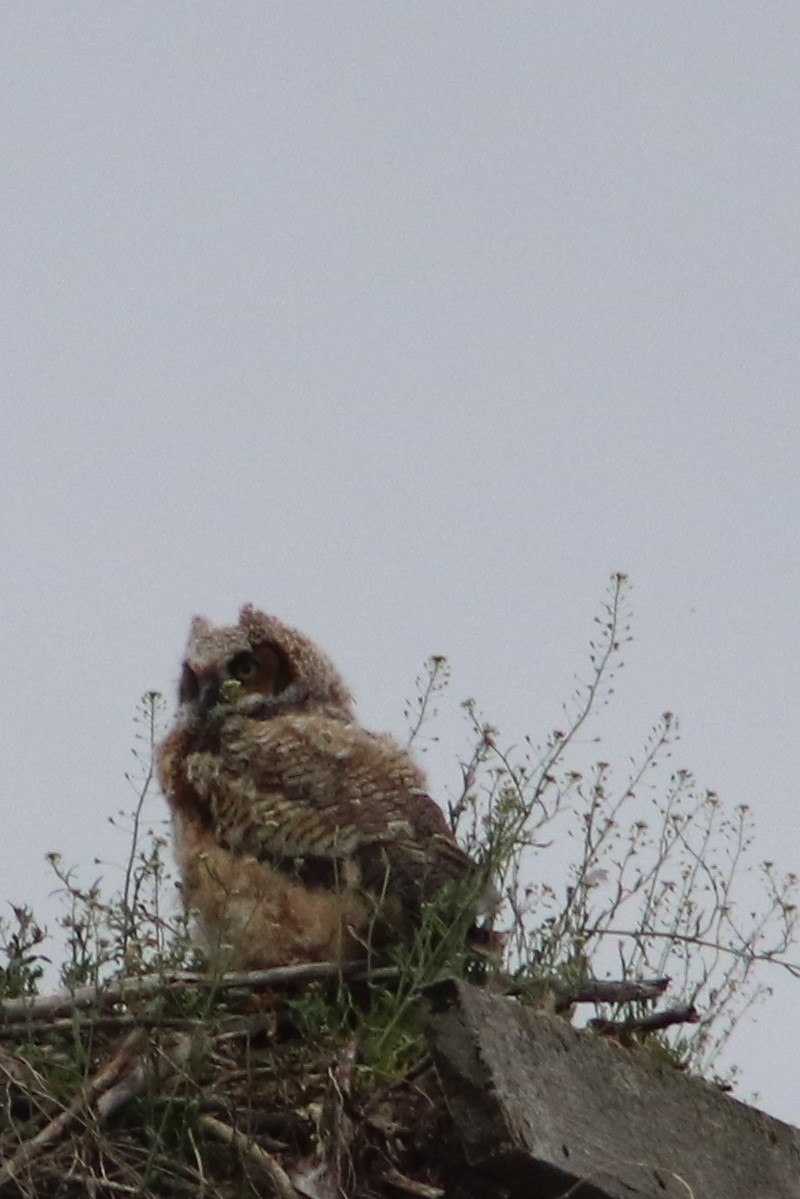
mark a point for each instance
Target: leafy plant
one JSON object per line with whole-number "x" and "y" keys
{"x": 639, "y": 875}
{"x": 599, "y": 873}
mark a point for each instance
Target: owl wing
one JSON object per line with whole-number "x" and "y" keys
{"x": 312, "y": 794}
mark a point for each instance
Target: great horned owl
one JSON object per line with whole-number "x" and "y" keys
{"x": 299, "y": 835}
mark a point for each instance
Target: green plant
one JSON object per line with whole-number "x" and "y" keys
{"x": 153, "y": 1076}
{"x": 634, "y": 875}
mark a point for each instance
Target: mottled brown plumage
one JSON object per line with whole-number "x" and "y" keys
{"x": 300, "y": 836}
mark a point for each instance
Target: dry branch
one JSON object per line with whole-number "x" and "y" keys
{"x": 62, "y": 1003}
{"x": 107, "y": 1077}
{"x": 607, "y": 990}
{"x": 409, "y": 1186}
{"x": 625, "y": 1029}
{"x": 231, "y": 1136}
{"x": 591, "y": 990}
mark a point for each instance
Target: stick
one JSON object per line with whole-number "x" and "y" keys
{"x": 624, "y": 1029}
{"x": 273, "y": 1169}
{"x": 410, "y": 1186}
{"x": 591, "y": 990}
{"x": 62, "y": 1003}
{"x": 103, "y": 1080}
{"x": 607, "y": 990}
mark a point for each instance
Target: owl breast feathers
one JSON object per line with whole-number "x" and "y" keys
{"x": 299, "y": 835}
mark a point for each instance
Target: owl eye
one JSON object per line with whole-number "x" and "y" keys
{"x": 276, "y": 674}
{"x": 243, "y": 667}
{"x": 189, "y": 689}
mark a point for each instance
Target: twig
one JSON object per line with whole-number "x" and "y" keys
{"x": 174, "y": 1052}
{"x": 591, "y": 990}
{"x": 339, "y": 1127}
{"x": 625, "y": 1029}
{"x": 64, "y": 1002}
{"x": 13, "y": 1031}
{"x": 129, "y": 1085}
{"x": 150, "y": 711}
{"x": 409, "y": 1186}
{"x": 92, "y": 1185}
{"x": 109, "y": 1075}
{"x": 701, "y": 943}
{"x": 607, "y": 990}
{"x": 435, "y": 666}
{"x": 273, "y": 1169}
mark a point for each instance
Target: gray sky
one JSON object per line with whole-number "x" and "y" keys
{"x": 409, "y": 323}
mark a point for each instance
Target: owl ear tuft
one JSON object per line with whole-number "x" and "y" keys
{"x": 199, "y": 625}
{"x": 257, "y": 626}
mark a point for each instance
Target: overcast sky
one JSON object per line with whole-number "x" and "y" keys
{"x": 409, "y": 322}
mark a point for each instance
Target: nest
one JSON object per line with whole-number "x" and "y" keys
{"x": 185, "y": 1087}
{"x": 303, "y": 1082}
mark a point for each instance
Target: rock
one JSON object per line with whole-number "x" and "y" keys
{"x": 547, "y": 1110}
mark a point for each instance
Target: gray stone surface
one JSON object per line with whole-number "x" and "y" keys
{"x": 549, "y": 1111}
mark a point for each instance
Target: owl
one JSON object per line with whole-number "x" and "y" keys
{"x": 299, "y": 835}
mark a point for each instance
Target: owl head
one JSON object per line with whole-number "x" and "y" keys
{"x": 258, "y": 668}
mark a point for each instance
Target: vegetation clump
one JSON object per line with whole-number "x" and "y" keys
{"x": 150, "y": 1072}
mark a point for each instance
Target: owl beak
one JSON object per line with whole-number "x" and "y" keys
{"x": 210, "y": 694}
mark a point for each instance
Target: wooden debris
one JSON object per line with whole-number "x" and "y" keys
{"x": 552, "y": 1111}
